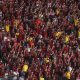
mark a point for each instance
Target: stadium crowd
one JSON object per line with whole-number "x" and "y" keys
{"x": 39, "y": 39}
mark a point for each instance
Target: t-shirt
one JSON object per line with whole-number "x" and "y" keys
{"x": 78, "y": 34}
{"x": 25, "y": 68}
{"x": 68, "y": 75}
{"x": 76, "y": 22}
{"x": 46, "y": 60}
{"x": 29, "y": 39}
{"x": 38, "y": 22}
{"x": 7, "y": 28}
{"x": 58, "y": 34}
{"x": 31, "y": 43}
{"x": 67, "y": 39}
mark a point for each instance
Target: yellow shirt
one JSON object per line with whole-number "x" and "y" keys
{"x": 68, "y": 75}
{"x": 67, "y": 39}
{"x": 46, "y": 60}
{"x": 78, "y": 34}
{"x": 29, "y": 39}
{"x": 76, "y": 22}
{"x": 25, "y": 68}
{"x": 7, "y": 28}
{"x": 58, "y": 34}
{"x": 41, "y": 78}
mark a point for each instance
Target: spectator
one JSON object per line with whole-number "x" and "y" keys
{"x": 40, "y": 39}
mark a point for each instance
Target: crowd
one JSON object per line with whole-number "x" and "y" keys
{"x": 39, "y": 39}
